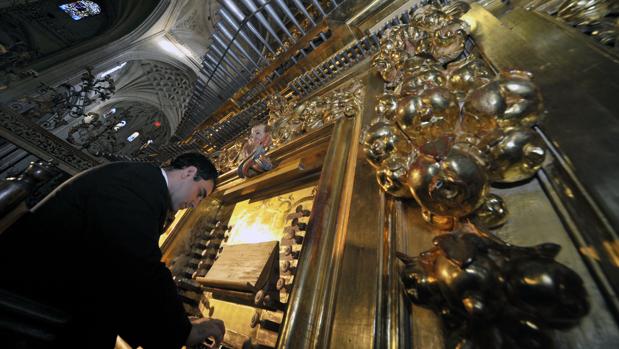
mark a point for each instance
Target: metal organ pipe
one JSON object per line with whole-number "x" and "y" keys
{"x": 241, "y": 17}
{"x": 229, "y": 36}
{"x": 229, "y": 52}
{"x": 301, "y": 8}
{"x": 252, "y": 7}
{"x": 235, "y": 27}
{"x": 288, "y": 13}
{"x": 275, "y": 17}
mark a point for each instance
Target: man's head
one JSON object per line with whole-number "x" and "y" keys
{"x": 191, "y": 178}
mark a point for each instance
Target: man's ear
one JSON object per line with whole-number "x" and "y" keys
{"x": 190, "y": 171}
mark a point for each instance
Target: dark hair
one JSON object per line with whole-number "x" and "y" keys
{"x": 206, "y": 169}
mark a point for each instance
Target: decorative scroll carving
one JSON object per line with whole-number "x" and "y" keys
{"x": 597, "y": 18}
{"x": 46, "y": 103}
{"x": 36, "y": 140}
{"x": 291, "y": 119}
{"x": 226, "y": 158}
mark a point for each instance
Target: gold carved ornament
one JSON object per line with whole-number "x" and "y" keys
{"x": 447, "y": 127}
{"x": 290, "y": 119}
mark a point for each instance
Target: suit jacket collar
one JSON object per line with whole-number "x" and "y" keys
{"x": 166, "y": 199}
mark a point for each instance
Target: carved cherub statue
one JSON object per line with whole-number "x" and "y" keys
{"x": 491, "y": 294}
{"x": 254, "y": 160}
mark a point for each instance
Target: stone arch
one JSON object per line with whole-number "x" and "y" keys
{"x": 150, "y": 51}
{"x": 158, "y": 83}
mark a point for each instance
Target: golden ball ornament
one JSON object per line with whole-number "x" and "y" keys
{"x": 380, "y": 139}
{"x": 392, "y": 175}
{"x": 491, "y": 214}
{"x": 517, "y": 156}
{"x": 452, "y": 184}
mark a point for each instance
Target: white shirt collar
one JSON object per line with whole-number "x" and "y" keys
{"x": 165, "y": 176}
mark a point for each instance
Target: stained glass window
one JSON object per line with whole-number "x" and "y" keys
{"x": 133, "y": 136}
{"x": 80, "y": 9}
{"x": 120, "y": 125}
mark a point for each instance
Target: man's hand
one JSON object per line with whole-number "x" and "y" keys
{"x": 202, "y": 329}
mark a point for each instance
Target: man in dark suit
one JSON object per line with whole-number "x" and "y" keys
{"x": 90, "y": 249}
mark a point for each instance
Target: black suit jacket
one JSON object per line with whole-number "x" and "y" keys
{"x": 91, "y": 249}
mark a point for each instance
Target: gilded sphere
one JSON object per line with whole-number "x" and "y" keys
{"x": 480, "y": 130}
{"x": 392, "y": 175}
{"x": 466, "y": 75}
{"x": 517, "y": 156}
{"x": 381, "y": 139}
{"x": 408, "y": 110}
{"x": 492, "y": 213}
{"x": 523, "y": 99}
{"x": 454, "y": 186}
{"x": 513, "y": 99}
{"x": 387, "y": 105}
{"x": 429, "y": 115}
{"x": 486, "y": 101}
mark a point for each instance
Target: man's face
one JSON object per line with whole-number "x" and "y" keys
{"x": 258, "y": 133}
{"x": 190, "y": 192}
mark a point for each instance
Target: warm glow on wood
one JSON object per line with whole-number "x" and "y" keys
{"x": 265, "y": 220}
